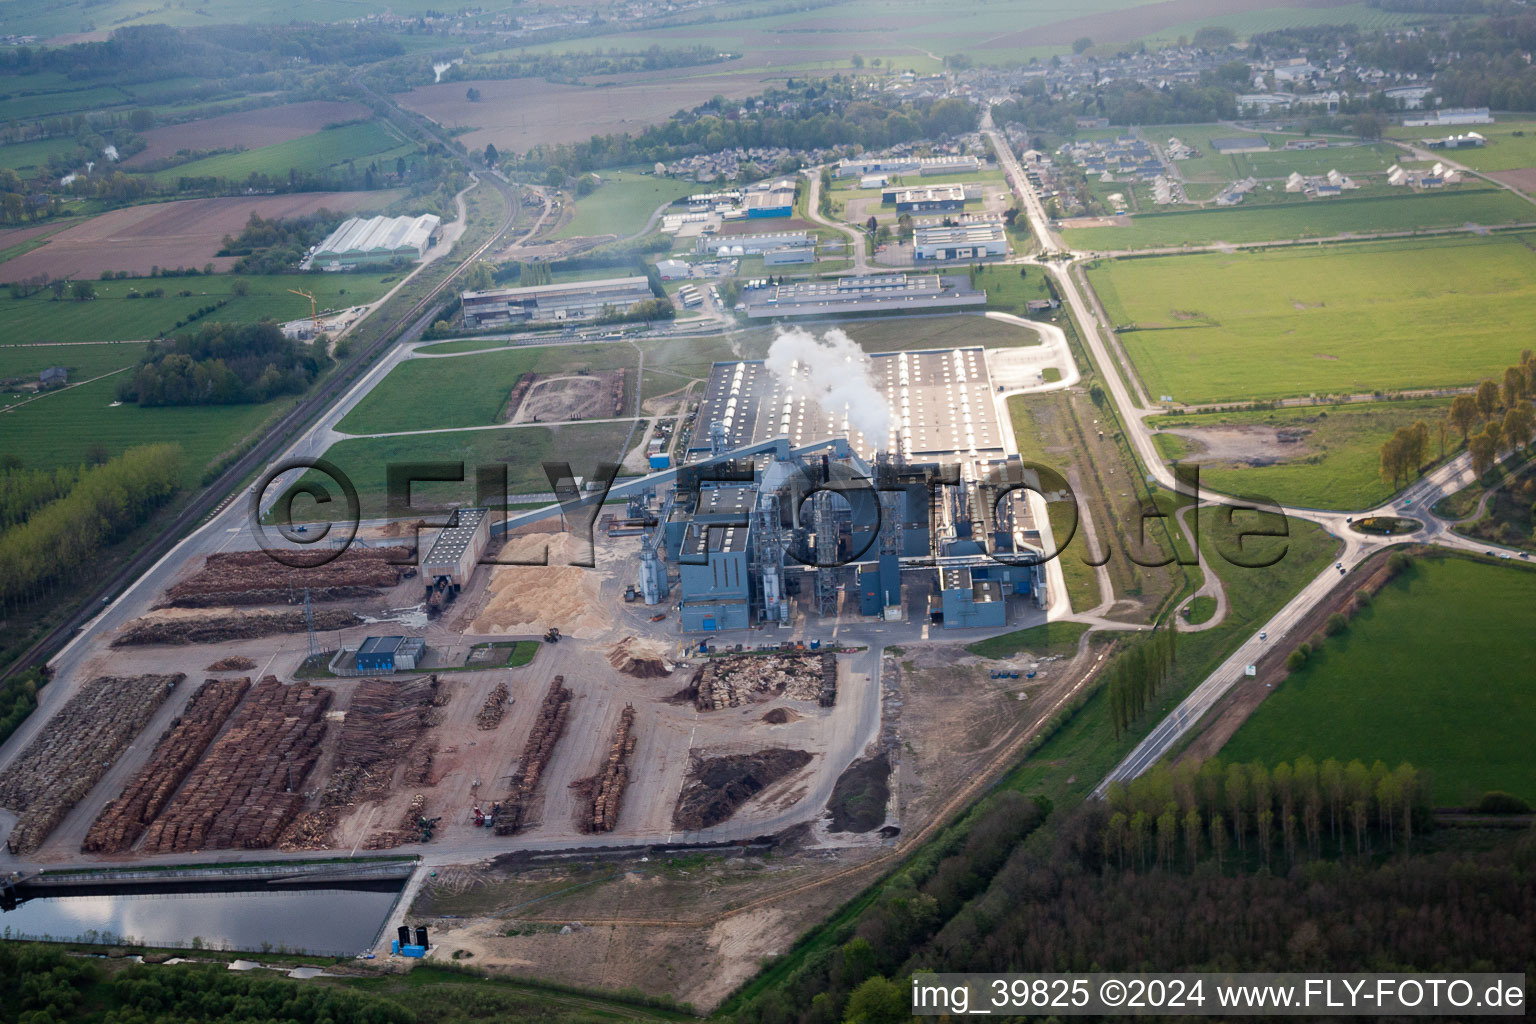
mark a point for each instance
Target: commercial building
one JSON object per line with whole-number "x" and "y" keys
{"x": 750, "y": 245}
{"x": 673, "y": 270}
{"x": 362, "y": 242}
{"x": 1454, "y": 115}
{"x": 789, "y": 254}
{"x": 940, "y": 404}
{"x": 924, "y": 198}
{"x": 924, "y": 166}
{"x": 978, "y": 240}
{"x": 763, "y": 205}
{"x": 458, "y": 547}
{"x": 878, "y": 292}
{"x": 1245, "y": 144}
{"x": 390, "y": 653}
{"x": 574, "y": 300}
{"x": 965, "y": 601}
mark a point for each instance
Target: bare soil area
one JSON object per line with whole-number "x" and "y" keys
{"x": 586, "y": 396}
{"x": 1250, "y": 445}
{"x": 1523, "y": 179}
{"x": 247, "y": 129}
{"x": 185, "y": 233}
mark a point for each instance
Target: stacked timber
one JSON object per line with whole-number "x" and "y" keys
{"x": 384, "y": 721}
{"x": 123, "y": 820}
{"x": 74, "y": 750}
{"x": 247, "y": 789}
{"x": 614, "y": 778}
{"x": 495, "y": 706}
{"x": 547, "y": 730}
{"x": 828, "y": 696}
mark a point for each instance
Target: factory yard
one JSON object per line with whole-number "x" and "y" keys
{"x": 183, "y": 233}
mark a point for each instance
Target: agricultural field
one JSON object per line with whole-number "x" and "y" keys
{"x": 47, "y": 103}
{"x": 1365, "y": 16}
{"x": 62, "y": 427}
{"x": 25, "y": 362}
{"x": 1327, "y": 320}
{"x": 245, "y": 129}
{"x": 622, "y": 204}
{"x": 1511, "y": 143}
{"x": 184, "y": 233}
{"x": 112, "y": 316}
{"x": 311, "y": 154}
{"x": 1353, "y": 160}
{"x": 523, "y": 448}
{"x": 1310, "y": 218}
{"x": 29, "y": 157}
{"x": 1315, "y": 456}
{"x": 1437, "y": 671}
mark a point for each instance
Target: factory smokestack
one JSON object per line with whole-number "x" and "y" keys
{"x": 834, "y": 372}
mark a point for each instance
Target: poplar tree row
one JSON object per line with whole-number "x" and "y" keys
{"x": 1135, "y": 676}
{"x": 64, "y": 537}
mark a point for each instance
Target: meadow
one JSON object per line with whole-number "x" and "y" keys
{"x": 1327, "y": 320}
{"x": 622, "y": 204}
{"x": 1438, "y": 671}
{"x": 33, "y": 156}
{"x": 331, "y": 147}
{"x": 112, "y": 316}
{"x": 1336, "y": 464}
{"x": 1511, "y": 142}
{"x": 1310, "y": 218}
{"x": 62, "y": 428}
{"x": 82, "y": 361}
{"x": 524, "y": 449}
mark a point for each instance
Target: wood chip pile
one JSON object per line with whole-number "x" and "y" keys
{"x": 218, "y": 628}
{"x": 717, "y": 786}
{"x": 385, "y": 722}
{"x": 252, "y": 577}
{"x": 643, "y": 659}
{"x": 732, "y": 681}
{"x": 121, "y": 823}
{"x": 494, "y": 707}
{"x": 602, "y": 814}
{"x": 248, "y": 787}
{"x": 74, "y": 750}
{"x": 547, "y": 730}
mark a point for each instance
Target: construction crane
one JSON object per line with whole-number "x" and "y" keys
{"x": 312, "y": 312}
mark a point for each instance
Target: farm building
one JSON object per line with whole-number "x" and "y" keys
{"x": 573, "y": 300}
{"x": 960, "y": 241}
{"x": 359, "y": 241}
{"x": 1471, "y": 140}
{"x": 458, "y": 547}
{"x": 53, "y": 377}
{"x": 876, "y": 292}
{"x": 925, "y": 198}
{"x": 1249, "y": 144}
{"x": 390, "y": 653}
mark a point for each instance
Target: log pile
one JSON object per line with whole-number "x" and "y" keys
{"x": 236, "y": 663}
{"x": 732, "y": 681}
{"x": 828, "y": 695}
{"x": 384, "y": 721}
{"x": 408, "y": 831}
{"x": 251, "y": 577}
{"x": 123, "y": 820}
{"x": 547, "y": 730}
{"x": 218, "y": 628}
{"x": 494, "y": 707}
{"x": 602, "y": 814}
{"x": 310, "y": 830}
{"x": 246, "y": 790}
{"x": 74, "y": 750}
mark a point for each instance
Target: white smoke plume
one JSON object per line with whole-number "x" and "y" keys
{"x": 834, "y": 372}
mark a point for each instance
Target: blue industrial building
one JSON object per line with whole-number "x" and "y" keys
{"x": 390, "y": 653}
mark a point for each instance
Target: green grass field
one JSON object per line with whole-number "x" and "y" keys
{"x": 1439, "y": 671}
{"x": 523, "y": 449}
{"x": 1052, "y": 639}
{"x": 32, "y": 156}
{"x": 1326, "y": 320}
{"x": 413, "y": 396}
{"x": 1372, "y": 159}
{"x": 1511, "y": 142}
{"x": 111, "y": 316}
{"x": 1310, "y": 218}
{"x": 61, "y": 428}
{"x": 16, "y": 107}
{"x": 622, "y": 204}
{"x": 82, "y": 361}
{"x": 331, "y": 147}
{"x": 1335, "y": 464}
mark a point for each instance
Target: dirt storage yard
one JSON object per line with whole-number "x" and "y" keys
{"x": 691, "y": 924}
{"x": 184, "y": 233}
{"x": 1244, "y": 444}
{"x": 577, "y": 396}
{"x": 245, "y": 129}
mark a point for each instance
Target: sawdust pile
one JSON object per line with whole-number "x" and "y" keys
{"x": 531, "y": 598}
{"x": 643, "y": 659}
{"x": 718, "y": 786}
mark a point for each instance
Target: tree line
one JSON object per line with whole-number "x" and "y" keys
{"x": 24, "y": 491}
{"x": 1135, "y": 675}
{"x": 1501, "y": 407}
{"x": 1173, "y": 818}
{"x": 223, "y": 364}
{"x": 273, "y": 246}
{"x": 61, "y": 539}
